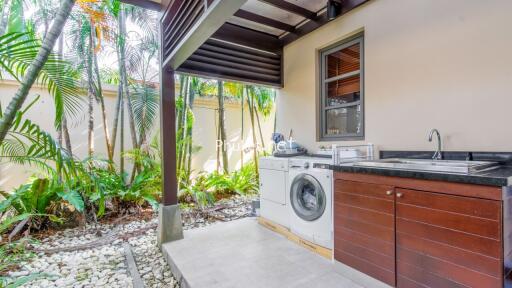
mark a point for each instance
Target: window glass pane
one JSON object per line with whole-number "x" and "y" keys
{"x": 342, "y": 121}
{"x": 343, "y": 91}
{"x": 344, "y": 61}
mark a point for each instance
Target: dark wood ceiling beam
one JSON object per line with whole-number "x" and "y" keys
{"x": 210, "y": 21}
{"x": 283, "y": 5}
{"x": 242, "y": 51}
{"x": 264, "y": 20}
{"x": 231, "y": 64}
{"x": 321, "y": 20}
{"x": 212, "y": 54}
{"x": 228, "y": 74}
{"x": 148, "y": 4}
{"x": 249, "y": 38}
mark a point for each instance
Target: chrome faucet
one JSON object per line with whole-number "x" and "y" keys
{"x": 437, "y": 155}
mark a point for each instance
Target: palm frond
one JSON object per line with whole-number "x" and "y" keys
{"x": 18, "y": 50}
{"x": 146, "y": 104}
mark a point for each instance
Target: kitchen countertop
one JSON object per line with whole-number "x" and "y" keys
{"x": 501, "y": 176}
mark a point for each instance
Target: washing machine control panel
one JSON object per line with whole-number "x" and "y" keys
{"x": 321, "y": 166}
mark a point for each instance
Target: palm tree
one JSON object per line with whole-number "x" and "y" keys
{"x": 6, "y": 7}
{"x": 250, "y": 104}
{"x": 99, "y": 95}
{"x": 43, "y": 16}
{"x": 36, "y": 67}
{"x": 222, "y": 126}
{"x": 263, "y": 100}
{"x": 124, "y": 73}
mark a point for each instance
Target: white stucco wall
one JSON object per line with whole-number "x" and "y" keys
{"x": 428, "y": 64}
{"x": 204, "y": 131}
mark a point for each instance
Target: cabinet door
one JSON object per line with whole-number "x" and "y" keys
{"x": 447, "y": 241}
{"x": 273, "y": 185}
{"x": 364, "y": 228}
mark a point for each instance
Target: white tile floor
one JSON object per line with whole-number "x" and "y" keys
{"x": 243, "y": 253}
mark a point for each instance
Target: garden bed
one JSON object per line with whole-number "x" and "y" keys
{"x": 93, "y": 256}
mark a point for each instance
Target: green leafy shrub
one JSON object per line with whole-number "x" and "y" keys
{"x": 207, "y": 188}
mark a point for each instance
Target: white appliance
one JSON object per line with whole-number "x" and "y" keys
{"x": 310, "y": 199}
{"x": 273, "y": 189}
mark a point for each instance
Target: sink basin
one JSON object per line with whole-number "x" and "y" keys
{"x": 450, "y": 166}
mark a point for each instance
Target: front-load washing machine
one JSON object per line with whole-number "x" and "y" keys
{"x": 310, "y": 199}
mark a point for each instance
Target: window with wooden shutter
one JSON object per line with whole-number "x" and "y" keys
{"x": 341, "y": 95}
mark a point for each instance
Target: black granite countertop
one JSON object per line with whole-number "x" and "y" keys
{"x": 501, "y": 176}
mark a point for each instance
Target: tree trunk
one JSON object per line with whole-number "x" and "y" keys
{"x": 222, "y": 127}
{"x": 217, "y": 146}
{"x": 244, "y": 90}
{"x": 121, "y": 140}
{"x": 124, "y": 76}
{"x": 92, "y": 96}
{"x": 116, "y": 118}
{"x": 35, "y": 67}
{"x": 66, "y": 137}
{"x": 63, "y": 130}
{"x": 185, "y": 125}
{"x": 256, "y": 112}
{"x": 99, "y": 96}
{"x": 189, "y": 132}
{"x": 6, "y": 8}
{"x": 180, "y": 123}
{"x": 90, "y": 133}
{"x": 254, "y": 139}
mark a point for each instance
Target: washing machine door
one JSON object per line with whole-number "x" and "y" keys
{"x": 307, "y": 197}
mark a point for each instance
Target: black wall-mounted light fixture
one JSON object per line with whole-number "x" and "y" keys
{"x": 333, "y": 9}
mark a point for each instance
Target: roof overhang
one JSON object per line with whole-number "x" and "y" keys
{"x": 238, "y": 40}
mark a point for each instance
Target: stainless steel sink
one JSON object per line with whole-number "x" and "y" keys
{"x": 450, "y": 166}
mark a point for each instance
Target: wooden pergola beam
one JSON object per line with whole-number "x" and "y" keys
{"x": 217, "y": 13}
{"x": 292, "y": 8}
{"x": 148, "y": 4}
{"x": 347, "y": 5}
{"x": 250, "y": 38}
{"x": 264, "y": 20}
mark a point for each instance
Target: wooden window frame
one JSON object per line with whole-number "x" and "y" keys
{"x": 323, "y": 80}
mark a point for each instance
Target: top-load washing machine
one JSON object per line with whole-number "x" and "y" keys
{"x": 310, "y": 199}
{"x": 273, "y": 189}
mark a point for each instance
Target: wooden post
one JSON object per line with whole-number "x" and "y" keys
{"x": 168, "y": 138}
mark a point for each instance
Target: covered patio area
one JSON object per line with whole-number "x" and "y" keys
{"x": 243, "y": 253}
{"x": 236, "y": 40}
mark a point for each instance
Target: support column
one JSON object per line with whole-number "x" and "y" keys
{"x": 169, "y": 216}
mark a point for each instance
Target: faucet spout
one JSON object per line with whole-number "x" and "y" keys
{"x": 437, "y": 155}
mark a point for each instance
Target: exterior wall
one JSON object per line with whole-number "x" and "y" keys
{"x": 429, "y": 64}
{"x": 204, "y": 131}
{"x": 205, "y": 134}
{"x": 43, "y": 114}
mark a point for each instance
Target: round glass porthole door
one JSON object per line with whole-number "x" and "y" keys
{"x": 307, "y": 197}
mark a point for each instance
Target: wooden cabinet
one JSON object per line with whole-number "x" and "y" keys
{"x": 447, "y": 241}
{"x": 406, "y": 235}
{"x": 364, "y": 228}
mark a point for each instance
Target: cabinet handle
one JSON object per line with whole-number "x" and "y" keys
{"x": 399, "y": 195}
{"x": 389, "y": 193}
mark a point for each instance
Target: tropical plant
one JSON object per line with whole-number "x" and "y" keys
{"x": 147, "y": 185}
{"x": 207, "y": 188}
{"x": 34, "y": 69}
{"x": 18, "y": 51}
{"x": 222, "y": 138}
{"x": 27, "y": 144}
